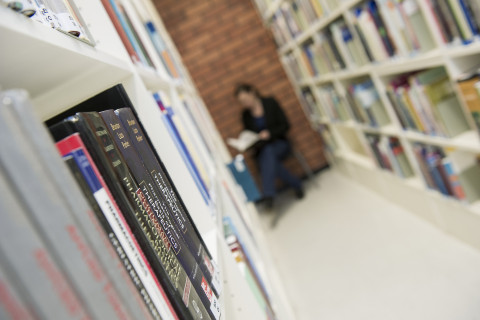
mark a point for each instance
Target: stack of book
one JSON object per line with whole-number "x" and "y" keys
{"x": 366, "y": 104}
{"x": 61, "y": 15}
{"x": 426, "y": 102}
{"x": 100, "y": 221}
{"x": 390, "y": 155}
{"x": 458, "y": 21}
{"x": 454, "y": 173}
{"x": 140, "y": 36}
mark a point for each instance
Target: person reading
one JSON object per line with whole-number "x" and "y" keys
{"x": 264, "y": 116}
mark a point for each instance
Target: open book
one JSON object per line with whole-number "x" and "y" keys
{"x": 245, "y": 140}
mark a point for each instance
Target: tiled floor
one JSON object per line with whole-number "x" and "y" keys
{"x": 347, "y": 254}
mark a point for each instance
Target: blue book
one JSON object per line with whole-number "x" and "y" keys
{"x": 469, "y": 16}
{"x": 432, "y": 159}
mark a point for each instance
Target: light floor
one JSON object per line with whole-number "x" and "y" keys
{"x": 347, "y": 254}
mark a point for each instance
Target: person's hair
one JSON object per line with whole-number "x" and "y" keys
{"x": 246, "y": 87}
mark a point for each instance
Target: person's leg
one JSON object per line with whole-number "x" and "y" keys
{"x": 267, "y": 162}
{"x": 281, "y": 149}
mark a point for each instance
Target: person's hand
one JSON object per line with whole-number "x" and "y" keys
{"x": 264, "y": 135}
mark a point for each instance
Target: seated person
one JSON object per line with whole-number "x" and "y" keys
{"x": 265, "y": 116}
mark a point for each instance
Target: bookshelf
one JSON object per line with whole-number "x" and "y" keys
{"x": 59, "y": 71}
{"x": 391, "y": 47}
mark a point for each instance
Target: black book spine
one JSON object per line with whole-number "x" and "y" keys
{"x": 70, "y": 161}
{"x": 178, "y": 211}
{"x": 94, "y": 123}
{"x": 156, "y": 202}
{"x": 123, "y": 188}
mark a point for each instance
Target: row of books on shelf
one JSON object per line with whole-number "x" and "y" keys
{"x": 294, "y": 17}
{"x": 247, "y": 267}
{"x": 425, "y": 101}
{"x": 61, "y": 15}
{"x": 96, "y": 220}
{"x": 454, "y": 173}
{"x": 390, "y": 155}
{"x": 132, "y": 21}
{"x": 141, "y": 36}
{"x": 183, "y": 140}
{"x": 378, "y": 30}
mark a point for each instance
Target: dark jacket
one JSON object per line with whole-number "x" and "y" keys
{"x": 276, "y": 121}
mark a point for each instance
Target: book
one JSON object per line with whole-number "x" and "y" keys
{"x": 440, "y": 20}
{"x": 453, "y": 179}
{"x": 73, "y": 147}
{"x": 467, "y": 167}
{"x": 369, "y": 31}
{"x": 53, "y": 221}
{"x": 178, "y": 211}
{"x": 86, "y": 218}
{"x": 23, "y": 251}
{"x": 188, "y": 154}
{"x": 138, "y": 216}
{"x": 13, "y": 305}
{"x": 470, "y": 96}
{"x": 246, "y": 139}
{"x": 30, "y": 265}
{"x": 161, "y": 206}
{"x": 125, "y": 262}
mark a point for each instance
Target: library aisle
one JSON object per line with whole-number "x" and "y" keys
{"x": 344, "y": 253}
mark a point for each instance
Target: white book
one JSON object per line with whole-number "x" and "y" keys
{"x": 372, "y": 37}
{"x": 245, "y": 140}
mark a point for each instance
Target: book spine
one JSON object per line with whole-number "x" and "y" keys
{"x": 440, "y": 20}
{"x": 450, "y": 22}
{"x": 74, "y": 147}
{"x": 453, "y": 180}
{"x": 128, "y": 32}
{"x": 178, "y": 211}
{"x": 168, "y": 118}
{"x": 12, "y": 304}
{"x": 121, "y": 32}
{"x": 56, "y": 226}
{"x": 469, "y": 16}
{"x": 156, "y": 200}
{"x": 124, "y": 261}
{"x": 161, "y": 48}
{"x": 91, "y": 122}
{"x": 29, "y": 263}
{"x": 67, "y": 187}
{"x": 135, "y": 218}
{"x": 381, "y": 29}
{"x": 460, "y": 20}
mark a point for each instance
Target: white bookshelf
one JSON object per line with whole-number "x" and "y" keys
{"x": 353, "y": 155}
{"x": 60, "y": 71}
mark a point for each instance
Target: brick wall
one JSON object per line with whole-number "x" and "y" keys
{"x": 223, "y": 43}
